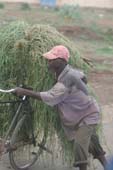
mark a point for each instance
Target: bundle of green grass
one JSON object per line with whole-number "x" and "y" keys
{"x": 21, "y": 62}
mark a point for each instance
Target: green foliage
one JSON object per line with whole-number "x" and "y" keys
{"x": 2, "y": 5}
{"x": 103, "y": 67}
{"x": 105, "y": 50}
{"x": 70, "y": 11}
{"x": 25, "y": 6}
{"x": 108, "y": 35}
{"x": 21, "y": 62}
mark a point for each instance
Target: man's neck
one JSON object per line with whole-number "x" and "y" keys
{"x": 59, "y": 70}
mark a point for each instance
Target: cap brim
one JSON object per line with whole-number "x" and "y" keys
{"x": 49, "y": 56}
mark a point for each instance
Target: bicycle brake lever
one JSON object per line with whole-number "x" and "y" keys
{"x": 24, "y": 97}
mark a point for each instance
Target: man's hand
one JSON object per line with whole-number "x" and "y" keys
{"x": 19, "y": 91}
{"x": 26, "y": 92}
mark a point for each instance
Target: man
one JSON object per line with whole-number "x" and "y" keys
{"x": 79, "y": 113}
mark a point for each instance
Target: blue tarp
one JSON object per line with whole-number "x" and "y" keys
{"x": 51, "y": 3}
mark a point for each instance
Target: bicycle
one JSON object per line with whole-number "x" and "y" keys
{"x": 18, "y": 141}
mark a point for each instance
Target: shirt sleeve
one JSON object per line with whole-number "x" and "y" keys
{"x": 80, "y": 84}
{"x": 55, "y": 95}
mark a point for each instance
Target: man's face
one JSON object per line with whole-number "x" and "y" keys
{"x": 53, "y": 64}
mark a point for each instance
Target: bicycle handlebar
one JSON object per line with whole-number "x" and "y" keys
{"x": 6, "y": 91}
{"x": 10, "y": 91}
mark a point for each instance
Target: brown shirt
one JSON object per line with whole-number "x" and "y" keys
{"x": 75, "y": 106}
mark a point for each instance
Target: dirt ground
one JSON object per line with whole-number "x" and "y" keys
{"x": 92, "y": 45}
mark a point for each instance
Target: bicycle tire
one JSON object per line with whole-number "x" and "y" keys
{"x": 12, "y": 152}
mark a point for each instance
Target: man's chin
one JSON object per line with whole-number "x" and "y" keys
{"x": 51, "y": 70}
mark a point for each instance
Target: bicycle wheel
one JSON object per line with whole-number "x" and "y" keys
{"x": 23, "y": 153}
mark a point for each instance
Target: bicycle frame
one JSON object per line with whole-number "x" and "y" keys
{"x": 12, "y": 125}
{"x": 15, "y": 118}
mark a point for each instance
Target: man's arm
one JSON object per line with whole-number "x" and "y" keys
{"x": 55, "y": 95}
{"x": 25, "y": 92}
{"x": 84, "y": 79}
{"x": 51, "y": 97}
{"x": 80, "y": 84}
